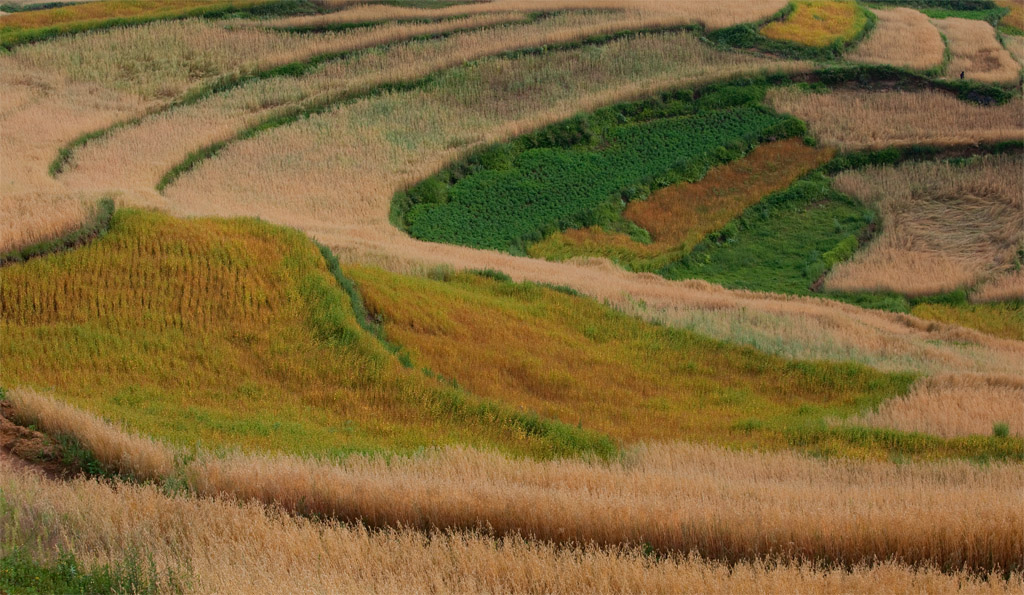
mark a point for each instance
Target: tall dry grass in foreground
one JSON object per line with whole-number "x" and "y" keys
{"x": 954, "y": 405}
{"x": 137, "y": 156}
{"x": 875, "y": 120}
{"x": 901, "y": 37}
{"x": 677, "y": 498}
{"x": 125, "y": 453}
{"x": 976, "y": 52}
{"x": 222, "y": 546}
{"x": 715, "y": 15}
{"x": 943, "y": 226}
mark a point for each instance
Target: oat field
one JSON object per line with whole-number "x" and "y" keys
{"x": 561, "y": 296}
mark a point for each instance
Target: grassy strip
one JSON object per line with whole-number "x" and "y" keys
{"x": 96, "y": 226}
{"x": 12, "y": 36}
{"x": 747, "y": 36}
{"x": 296, "y": 113}
{"x": 824, "y": 440}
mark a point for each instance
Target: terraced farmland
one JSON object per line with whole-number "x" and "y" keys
{"x": 511, "y": 295}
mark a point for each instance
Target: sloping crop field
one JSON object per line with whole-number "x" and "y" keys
{"x": 976, "y": 52}
{"x": 224, "y": 333}
{"x": 561, "y": 296}
{"x": 901, "y": 37}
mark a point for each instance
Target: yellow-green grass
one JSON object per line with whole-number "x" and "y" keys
{"x": 678, "y": 217}
{"x": 39, "y": 24}
{"x": 1003, "y": 319}
{"x": 818, "y": 23}
{"x": 583, "y": 363}
{"x": 229, "y": 333}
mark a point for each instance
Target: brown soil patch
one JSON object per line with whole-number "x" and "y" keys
{"x": 27, "y": 449}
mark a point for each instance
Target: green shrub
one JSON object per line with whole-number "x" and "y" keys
{"x": 1001, "y": 430}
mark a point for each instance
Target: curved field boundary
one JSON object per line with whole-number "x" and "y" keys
{"x": 328, "y": 103}
{"x": 231, "y": 81}
{"x": 97, "y": 225}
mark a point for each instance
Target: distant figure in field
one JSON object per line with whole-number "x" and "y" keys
{"x": 961, "y": 75}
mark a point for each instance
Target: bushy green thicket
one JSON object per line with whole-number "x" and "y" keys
{"x": 948, "y": 4}
{"x": 783, "y": 244}
{"x": 97, "y": 225}
{"x": 579, "y": 172}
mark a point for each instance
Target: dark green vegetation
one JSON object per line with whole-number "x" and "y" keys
{"x": 783, "y": 244}
{"x": 578, "y": 173}
{"x": 97, "y": 225}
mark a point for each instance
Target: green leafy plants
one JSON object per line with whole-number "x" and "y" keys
{"x": 577, "y": 173}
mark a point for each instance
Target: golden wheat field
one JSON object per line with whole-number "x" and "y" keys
{"x": 254, "y": 339}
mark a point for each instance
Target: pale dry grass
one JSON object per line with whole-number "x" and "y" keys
{"x": 674, "y": 498}
{"x": 901, "y": 37}
{"x": 161, "y": 60}
{"x": 943, "y": 226}
{"x": 126, "y": 453}
{"x": 1002, "y": 287}
{"x": 975, "y": 51}
{"x": 954, "y": 405}
{"x": 714, "y": 15}
{"x": 136, "y": 157}
{"x": 44, "y": 113}
{"x": 858, "y": 119}
{"x": 39, "y": 217}
{"x": 221, "y": 546}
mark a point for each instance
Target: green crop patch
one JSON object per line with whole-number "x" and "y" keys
{"x": 783, "y": 244}
{"x": 577, "y": 173}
